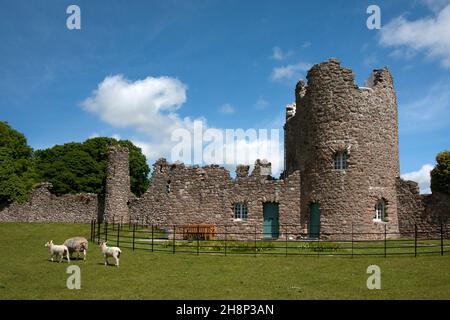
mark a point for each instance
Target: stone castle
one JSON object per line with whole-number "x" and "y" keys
{"x": 341, "y": 175}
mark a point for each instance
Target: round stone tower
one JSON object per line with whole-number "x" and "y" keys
{"x": 344, "y": 140}
{"x": 117, "y": 191}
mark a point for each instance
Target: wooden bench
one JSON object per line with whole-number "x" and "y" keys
{"x": 198, "y": 231}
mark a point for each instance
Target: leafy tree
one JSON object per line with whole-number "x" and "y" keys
{"x": 81, "y": 167}
{"x": 17, "y": 174}
{"x": 440, "y": 175}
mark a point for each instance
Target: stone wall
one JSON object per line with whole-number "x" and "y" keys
{"x": 180, "y": 195}
{"x": 424, "y": 212}
{"x": 332, "y": 114}
{"x": 44, "y": 206}
{"x": 117, "y": 190}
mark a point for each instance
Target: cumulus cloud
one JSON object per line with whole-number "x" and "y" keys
{"x": 422, "y": 177}
{"x": 290, "y": 72}
{"x": 149, "y": 107}
{"x": 278, "y": 54}
{"x": 226, "y": 109}
{"x": 122, "y": 103}
{"x": 430, "y": 35}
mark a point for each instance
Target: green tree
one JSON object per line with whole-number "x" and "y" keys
{"x": 17, "y": 174}
{"x": 440, "y": 175}
{"x": 81, "y": 167}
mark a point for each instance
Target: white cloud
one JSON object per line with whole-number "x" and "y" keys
{"x": 290, "y": 72}
{"x": 430, "y": 111}
{"x": 436, "y": 5}
{"x": 278, "y": 54}
{"x": 149, "y": 107}
{"x": 422, "y": 177}
{"x": 116, "y": 136}
{"x": 430, "y": 35}
{"x": 94, "y": 135}
{"x": 122, "y": 103}
{"x": 226, "y": 109}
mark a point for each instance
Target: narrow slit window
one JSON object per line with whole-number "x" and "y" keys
{"x": 380, "y": 211}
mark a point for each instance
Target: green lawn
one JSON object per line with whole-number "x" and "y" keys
{"x": 27, "y": 273}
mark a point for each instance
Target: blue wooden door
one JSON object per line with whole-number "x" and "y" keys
{"x": 314, "y": 220}
{"x": 270, "y": 224}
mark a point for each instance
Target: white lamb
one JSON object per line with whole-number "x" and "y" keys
{"x": 58, "y": 250}
{"x": 110, "y": 252}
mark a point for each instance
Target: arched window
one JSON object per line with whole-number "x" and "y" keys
{"x": 240, "y": 211}
{"x": 340, "y": 160}
{"x": 380, "y": 210}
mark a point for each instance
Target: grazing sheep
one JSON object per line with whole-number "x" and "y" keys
{"x": 77, "y": 244}
{"x": 58, "y": 250}
{"x": 110, "y": 252}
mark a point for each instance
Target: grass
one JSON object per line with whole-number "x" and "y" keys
{"x": 27, "y": 273}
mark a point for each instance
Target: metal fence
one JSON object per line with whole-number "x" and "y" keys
{"x": 192, "y": 239}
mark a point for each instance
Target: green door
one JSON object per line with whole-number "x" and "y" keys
{"x": 314, "y": 220}
{"x": 270, "y": 224}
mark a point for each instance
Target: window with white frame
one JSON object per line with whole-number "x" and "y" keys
{"x": 240, "y": 211}
{"x": 340, "y": 160}
{"x": 380, "y": 211}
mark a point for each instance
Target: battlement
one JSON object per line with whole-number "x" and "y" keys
{"x": 330, "y": 78}
{"x": 262, "y": 168}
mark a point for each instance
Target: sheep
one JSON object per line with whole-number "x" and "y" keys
{"x": 110, "y": 252}
{"x": 77, "y": 244}
{"x": 58, "y": 250}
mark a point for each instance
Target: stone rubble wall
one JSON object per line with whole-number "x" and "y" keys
{"x": 44, "y": 206}
{"x": 180, "y": 195}
{"x": 426, "y": 212}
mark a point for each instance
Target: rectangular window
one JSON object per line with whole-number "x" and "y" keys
{"x": 340, "y": 160}
{"x": 240, "y": 211}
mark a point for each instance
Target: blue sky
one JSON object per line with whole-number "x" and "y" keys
{"x": 231, "y": 64}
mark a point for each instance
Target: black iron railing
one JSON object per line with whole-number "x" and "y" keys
{"x": 226, "y": 239}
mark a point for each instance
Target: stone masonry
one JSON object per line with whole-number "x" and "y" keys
{"x": 44, "y": 206}
{"x": 117, "y": 190}
{"x": 180, "y": 195}
{"x": 331, "y": 115}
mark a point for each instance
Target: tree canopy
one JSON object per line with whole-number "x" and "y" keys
{"x": 81, "y": 167}
{"x": 72, "y": 167}
{"x": 17, "y": 174}
{"x": 440, "y": 175}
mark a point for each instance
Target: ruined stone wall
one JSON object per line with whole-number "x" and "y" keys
{"x": 426, "y": 212}
{"x": 333, "y": 114}
{"x": 47, "y": 207}
{"x": 117, "y": 191}
{"x": 180, "y": 195}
